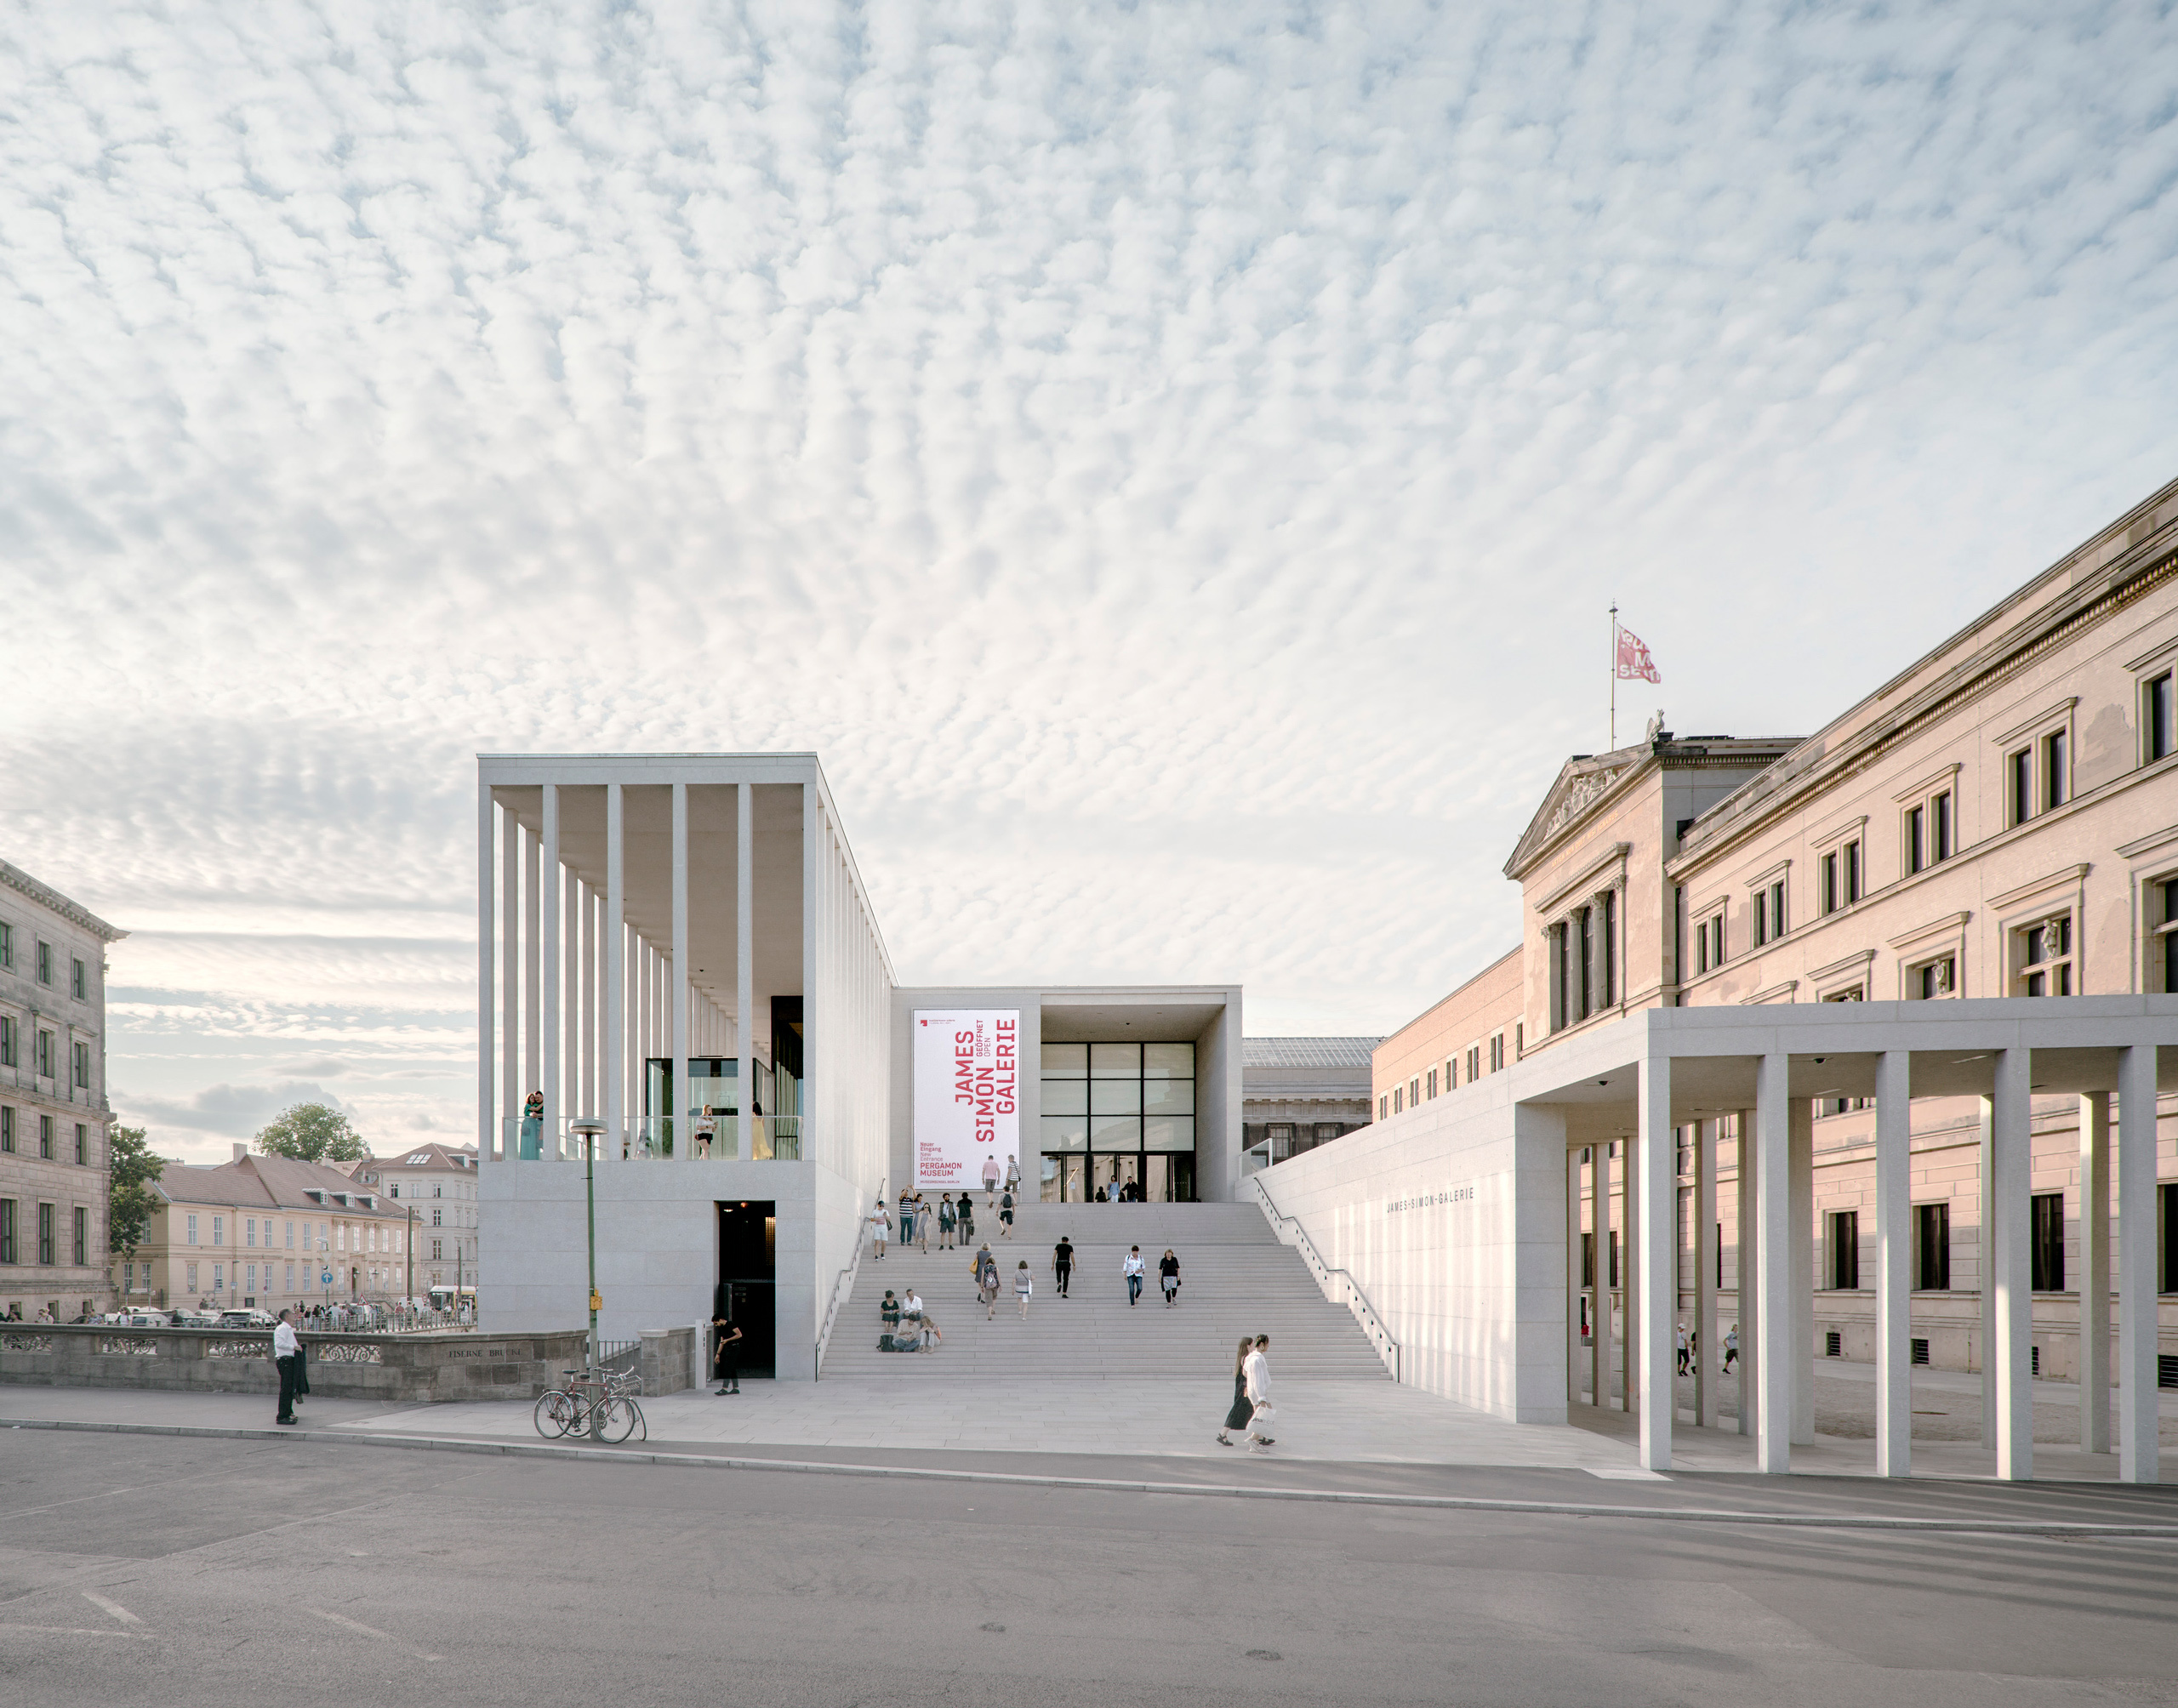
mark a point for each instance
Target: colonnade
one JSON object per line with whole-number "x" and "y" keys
{"x": 1776, "y": 1229}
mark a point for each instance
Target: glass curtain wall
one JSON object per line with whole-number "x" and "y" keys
{"x": 775, "y": 1133}
{"x": 1118, "y": 1118}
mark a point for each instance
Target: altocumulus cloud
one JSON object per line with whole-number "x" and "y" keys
{"x": 1172, "y": 462}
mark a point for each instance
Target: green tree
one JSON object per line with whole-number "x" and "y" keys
{"x": 131, "y": 1170}
{"x": 312, "y": 1133}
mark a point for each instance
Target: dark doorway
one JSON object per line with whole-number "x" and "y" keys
{"x": 748, "y": 1243}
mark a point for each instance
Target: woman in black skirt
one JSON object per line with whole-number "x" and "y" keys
{"x": 1243, "y": 1408}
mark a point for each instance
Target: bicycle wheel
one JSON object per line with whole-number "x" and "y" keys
{"x": 614, "y": 1419}
{"x": 555, "y": 1413}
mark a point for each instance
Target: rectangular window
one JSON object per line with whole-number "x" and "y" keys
{"x": 2045, "y": 957}
{"x": 1610, "y": 947}
{"x": 1473, "y": 1064}
{"x": 291, "y": 1236}
{"x": 82, "y": 1145}
{"x": 1399, "y": 1099}
{"x": 1917, "y": 840}
{"x": 435, "y": 1250}
{"x": 8, "y": 1045}
{"x": 1935, "y": 978}
{"x": 7, "y": 1231}
{"x": 1932, "y": 1248}
{"x": 78, "y": 985}
{"x": 7, "y": 1128}
{"x": 249, "y": 1231}
{"x": 2048, "y": 1254}
{"x": 2163, "y": 944}
{"x": 1383, "y": 1109}
{"x": 1852, "y": 879}
{"x": 1829, "y": 869}
{"x": 192, "y": 1230}
{"x": 1845, "y": 1249}
{"x": 1560, "y": 979}
{"x": 1497, "y": 1050}
{"x": 1587, "y": 1259}
{"x": 44, "y": 963}
{"x": 1584, "y": 927}
{"x": 1413, "y": 1100}
{"x": 218, "y": 1278}
{"x": 7, "y": 945}
{"x": 45, "y": 1234}
{"x": 45, "y": 1137}
{"x": 2021, "y": 773}
{"x": 2052, "y": 768}
{"x": 1939, "y": 829}
{"x": 82, "y": 1237}
{"x": 83, "y": 1053}
{"x": 1761, "y": 918}
{"x": 190, "y": 1283}
{"x": 249, "y": 1282}
{"x": 1433, "y": 1082}
{"x": 45, "y": 1054}
{"x": 2158, "y": 738}
{"x": 219, "y": 1230}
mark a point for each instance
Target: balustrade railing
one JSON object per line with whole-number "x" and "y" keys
{"x": 653, "y": 1138}
{"x": 1356, "y": 1301}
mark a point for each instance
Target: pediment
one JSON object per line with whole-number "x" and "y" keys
{"x": 1580, "y": 784}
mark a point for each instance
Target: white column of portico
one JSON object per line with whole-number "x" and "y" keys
{"x": 816, "y": 1011}
{"x": 589, "y": 1103}
{"x": 1599, "y": 1275}
{"x": 509, "y": 976}
{"x": 1894, "y": 1303}
{"x": 1747, "y": 1280}
{"x": 1659, "y": 1274}
{"x": 533, "y": 971}
{"x": 1573, "y": 1282}
{"x": 570, "y": 1095}
{"x": 548, "y": 906}
{"x": 2095, "y": 1273}
{"x": 2138, "y": 1455}
{"x": 745, "y": 968}
{"x": 1985, "y": 1245}
{"x": 615, "y": 1040}
{"x": 1801, "y": 1354}
{"x": 485, "y": 1030}
{"x": 1629, "y": 1277}
{"x": 2013, "y": 1221}
{"x": 1704, "y": 1339}
{"x": 1773, "y": 1451}
{"x": 686, "y": 1146}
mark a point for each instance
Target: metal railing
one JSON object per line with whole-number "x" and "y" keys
{"x": 1357, "y": 1302}
{"x": 618, "y": 1355}
{"x": 653, "y": 1138}
{"x": 844, "y": 1279}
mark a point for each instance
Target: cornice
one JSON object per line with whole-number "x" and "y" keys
{"x": 48, "y": 897}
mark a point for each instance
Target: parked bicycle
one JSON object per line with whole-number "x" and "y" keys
{"x": 603, "y": 1405}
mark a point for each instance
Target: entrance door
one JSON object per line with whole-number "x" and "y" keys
{"x": 748, "y": 1243}
{"x": 1112, "y": 1172}
{"x": 1063, "y": 1178}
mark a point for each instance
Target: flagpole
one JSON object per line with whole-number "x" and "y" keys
{"x": 1613, "y": 748}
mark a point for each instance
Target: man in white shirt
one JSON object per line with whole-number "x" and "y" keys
{"x": 879, "y": 1222}
{"x": 286, "y": 1351}
{"x": 1132, "y": 1268}
{"x": 911, "y": 1303}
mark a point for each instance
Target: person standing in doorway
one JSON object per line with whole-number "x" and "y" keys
{"x": 726, "y": 1363}
{"x": 879, "y": 1223}
{"x": 1062, "y": 1265}
{"x": 1005, "y": 1214}
{"x": 1024, "y": 1284}
{"x": 1168, "y": 1277}
{"x": 286, "y": 1350}
{"x": 1237, "y": 1414}
{"x": 945, "y": 1222}
{"x": 990, "y": 1182}
{"x": 1131, "y": 1265}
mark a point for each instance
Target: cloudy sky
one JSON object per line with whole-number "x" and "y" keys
{"x": 1172, "y": 461}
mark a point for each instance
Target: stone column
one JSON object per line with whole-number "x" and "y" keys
{"x": 570, "y": 1093}
{"x": 1705, "y": 1337}
{"x": 532, "y": 970}
{"x": 1984, "y": 1278}
{"x": 1573, "y": 1286}
{"x": 2012, "y": 1219}
{"x": 1746, "y": 1281}
{"x": 2095, "y": 1273}
{"x": 589, "y": 1102}
{"x": 615, "y": 1030}
{"x": 1659, "y": 1273}
{"x": 486, "y": 1124}
{"x": 549, "y": 912}
{"x": 1629, "y": 1283}
{"x": 2138, "y": 1450}
{"x": 1893, "y": 1220}
{"x": 1774, "y": 1243}
{"x": 744, "y": 951}
{"x": 1801, "y": 1143}
{"x": 509, "y": 976}
{"x": 684, "y": 1142}
{"x": 1599, "y": 1279}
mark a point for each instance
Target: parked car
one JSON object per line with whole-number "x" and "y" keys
{"x": 144, "y": 1320}
{"x": 248, "y": 1320}
{"x": 196, "y": 1319}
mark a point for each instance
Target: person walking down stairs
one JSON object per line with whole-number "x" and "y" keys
{"x": 1168, "y": 1276}
{"x": 879, "y": 1222}
{"x": 1131, "y": 1267}
{"x": 945, "y": 1222}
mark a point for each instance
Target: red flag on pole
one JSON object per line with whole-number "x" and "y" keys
{"x": 1634, "y": 664}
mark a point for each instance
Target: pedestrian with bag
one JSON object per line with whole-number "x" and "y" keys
{"x": 964, "y": 1213}
{"x": 1024, "y": 1284}
{"x": 1168, "y": 1276}
{"x": 1131, "y": 1267}
{"x": 286, "y": 1351}
{"x": 1006, "y": 1216}
{"x": 986, "y": 1268}
{"x": 924, "y": 1214}
{"x": 879, "y": 1223}
{"x": 1242, "y": 1408}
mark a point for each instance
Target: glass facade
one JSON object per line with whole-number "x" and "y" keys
{"x": 1118, "y": 1116}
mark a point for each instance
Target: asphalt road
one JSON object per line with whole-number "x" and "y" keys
{"x": 158, "y": 1571}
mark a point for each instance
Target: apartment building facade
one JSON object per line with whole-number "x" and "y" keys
{"x": 54, "y": 1113}
{"x": 437, "y": 1184}
{"x": 268, "y": 1233}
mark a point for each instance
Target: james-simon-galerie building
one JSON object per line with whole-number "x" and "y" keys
{"x": 1854, "y": 1040}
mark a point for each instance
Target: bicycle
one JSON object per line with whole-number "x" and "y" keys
{"x": 599, "y": 1403}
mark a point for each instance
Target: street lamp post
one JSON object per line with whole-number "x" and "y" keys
{"x": 409, "y": 1303}
{"x": 589, "y": 1128}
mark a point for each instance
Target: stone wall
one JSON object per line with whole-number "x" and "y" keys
{"x": 403, "y": 1369}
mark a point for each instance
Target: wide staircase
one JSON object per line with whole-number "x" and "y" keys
{"x": 1236, "y": 1279}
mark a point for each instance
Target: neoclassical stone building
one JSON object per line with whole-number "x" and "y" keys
{"x": 1996, "y": 825}
{"x": 54, "y": 1114}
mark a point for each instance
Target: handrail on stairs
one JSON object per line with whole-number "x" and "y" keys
{"x": 832, "y": 1307}
{"x": 1371, "y": 1320}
